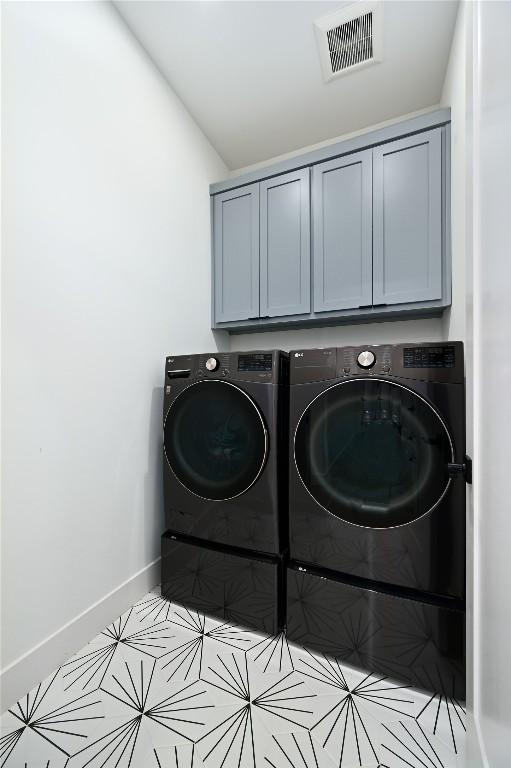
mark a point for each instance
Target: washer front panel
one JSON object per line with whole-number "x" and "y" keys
{"x": 215, "y": 440}
{"x": 373, "y": 453}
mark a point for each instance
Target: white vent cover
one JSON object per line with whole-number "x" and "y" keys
{"x": 350, "y": 38}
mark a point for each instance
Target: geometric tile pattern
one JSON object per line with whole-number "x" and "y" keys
{"x": 166, "y": 687}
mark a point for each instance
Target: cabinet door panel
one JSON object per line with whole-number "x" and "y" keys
{"x": 285, "y": 245}
{"x": 236, "y": 254}
{"x": 342, "y": 244}
{"x": 408, "y": 220}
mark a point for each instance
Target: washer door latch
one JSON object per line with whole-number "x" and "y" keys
{"x": 465, "y": 469}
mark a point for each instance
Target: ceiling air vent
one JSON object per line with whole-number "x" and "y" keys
{"x": 350, "y": 38}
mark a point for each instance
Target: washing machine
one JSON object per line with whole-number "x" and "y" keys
{"x": 377, "y": 508}
{"x": 225, "y": 480}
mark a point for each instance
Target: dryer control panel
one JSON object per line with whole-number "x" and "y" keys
{"x": 313, "y": 365}
{"x": 442, "y": 356}
{"x": 426, "y": 361}
{"x": 372, "y": 360}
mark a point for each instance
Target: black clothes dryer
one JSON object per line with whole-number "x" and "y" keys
{"x": 377, "y": 444}
{"x": 224, "y": 420}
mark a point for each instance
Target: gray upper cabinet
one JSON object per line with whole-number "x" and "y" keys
{"x": 407, "y": 243}
{"x": 358, "y": 230}
{"x": 285, "y": 245}
{"x": 236, "y": 254}
{"x": 342, "y": 233}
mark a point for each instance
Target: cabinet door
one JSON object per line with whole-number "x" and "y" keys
{"x": 408, "y": 220}
{"x": 342, "y": 239}
{"x": 236, "y": 254}
{"x": 285, "y": 244}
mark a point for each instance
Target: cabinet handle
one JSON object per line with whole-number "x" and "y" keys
{"x": 365, "y": 306}
{"x": 379, "y": 305}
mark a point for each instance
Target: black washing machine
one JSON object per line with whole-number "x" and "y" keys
{"x": 377, "y": 508}
{"x": 225, "y": 481}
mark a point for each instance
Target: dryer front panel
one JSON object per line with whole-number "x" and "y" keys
{"x": 373, "y": 453}
{"x": 215, "y": 440}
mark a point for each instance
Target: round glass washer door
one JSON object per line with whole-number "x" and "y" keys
{"x": 373, "y": 453}
{"x": 215, "y": 440}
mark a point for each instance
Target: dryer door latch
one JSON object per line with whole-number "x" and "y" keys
{"x": 465, "y": 469}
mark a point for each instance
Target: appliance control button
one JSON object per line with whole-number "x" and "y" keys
{"x": 347, "y": 369}
{"x": 385, "y": 368}
{"x": 211, "y": 363}
{"x": 366, "y": 359}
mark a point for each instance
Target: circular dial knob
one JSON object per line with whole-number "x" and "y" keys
{"x": 366, "y": 359}
{"x": 211, "y": 363}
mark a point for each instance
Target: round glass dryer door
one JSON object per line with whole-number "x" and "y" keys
{"x": 373, "y": 453}
{"x": 215, "y": 440}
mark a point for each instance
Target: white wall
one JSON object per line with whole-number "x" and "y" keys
{"x": 492, "y": 403}
{"x": 343, "y": 335}
{"x": 458, "y": 320}
{"x": 106, "y": 268}
{"x": 454, "y": 96}
{"x": 329, "y": 142}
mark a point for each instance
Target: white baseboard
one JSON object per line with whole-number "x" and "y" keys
{"x": 475, "y": 756}
{"x": 21, "y": 675}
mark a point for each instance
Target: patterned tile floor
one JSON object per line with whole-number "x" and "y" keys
{"x": 164, "y": 687}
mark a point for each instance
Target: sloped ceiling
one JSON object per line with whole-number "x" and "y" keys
{"x": 249, "y": 72}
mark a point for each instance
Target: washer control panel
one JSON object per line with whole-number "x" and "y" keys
{"x": 255, "y": 361}
{"x": 212, "y": 363}
{"x": 258, "y": 366}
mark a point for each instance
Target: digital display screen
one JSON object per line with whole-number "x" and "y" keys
{"x": 259, "y": 361}
{"x": 429, "y": 357}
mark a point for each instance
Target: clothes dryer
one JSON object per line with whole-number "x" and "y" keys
{"x": 377, "y": 505}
